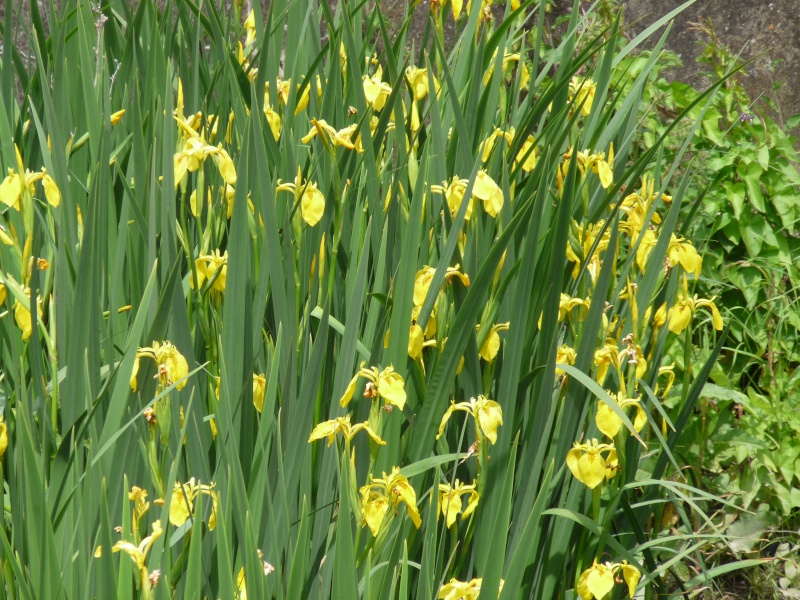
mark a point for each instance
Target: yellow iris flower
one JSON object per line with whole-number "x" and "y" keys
{"x": 565, "y": 356}
{"x": 450, "y": 501}
{"x": 424, "y": 278}
{"x": 212, "y": 267}
{"x": 140, "y": 505}
{"x": 490, "y": 142}
{"x": 418, "y": 80}
{"x": 566, "y": 304}
{"x": 194, "y": 153}
{"x": 387, "y": 384}
{"x": 528, "y": 159}
{"x": 584, "y": 238}
{"x": 680, "y": 315}
{"x": 598, "y": 580}
{"x": 172, "y": 366}
{"x": 491, "y": 345}
{"x": 488, "y": 416}
{"x": 18, "y": 187}
{"x": 329, "y": 429}
{"x": 376, "y": 91}
{"x": 381, "y": 493}
{"x": 582, "y": 90}
{"x": 610, "y": 423}
{"x": 587, "y": 463}
{"x": 181, "y": 505}
{"x": 312, "y": 201}
{"x": 604, "y": 358}
{"x": 22, "y": 314}
{"x": 509, "y": 58}
{"x": 464, "y": 590}
{"x": 488, "y": 192}
{"x": 454, "y": 194}
{"x": 681, "y": 251}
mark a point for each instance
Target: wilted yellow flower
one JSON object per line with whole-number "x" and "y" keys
{"x": 181, "y": 505}
{"x": 214, "y": 268}
{"x": 18, "y": 187}
{"x": 138, "y": 553}
{"x": 450, "y": 501}
{"x": 464, "y": 590}
{"x": 488, "y": 416}
{"x": 486, "y": 190}
{"x": 610, "y": 423}
{"x": 343, "y": 137}
{"x": 312, "y": 201}
{"x": 587, "y": 463}
{"x": 380, "y": 494}
{"x": 172, "y": 366}
{"x": 376, "y": 91}
{"x": 424, "y": 278}
{"x": 491, "y": 345}
{"x": 329, "y": 429}
{"x": 387, "y": 384}
{"x": 597, "y": 581}
{"x": 140, "y": 505}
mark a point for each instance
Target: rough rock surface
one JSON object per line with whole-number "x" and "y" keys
{"x": 770, "y": 28}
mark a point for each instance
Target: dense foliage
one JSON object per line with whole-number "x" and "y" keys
{"x": 290, "y": 311}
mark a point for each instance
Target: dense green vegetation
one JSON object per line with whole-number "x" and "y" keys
{"x": 290, "y": 310}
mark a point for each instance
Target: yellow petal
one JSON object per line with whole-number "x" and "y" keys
{"x": 490, "y": 347}
{"x": 181, "y": 505}
{"x": 416, "y": 339}
{"x": 679, "y": 316}
{"x": 591, "y": 470}
{"x": 600, "y": 581}
{"x": 259, "y": 385}
{"x": 605, "y": 173}
{"x": 392, "y": 388}
{"x": 607, "y": 420}
{"x": 446, "y": 417}
{"x": 486, "y": 190}
{"x": 631, "y": 575}
{"x": 23, "y": 318}
{"x": 348, "y": 393}
{"x": 312, "y": 205}
{"x": 489, "y": 415}
{"x": 11, "y": 190}
{"x": 456, "y": 5}
{"x": 225, "y": 165}
{"x": 134, "y": 385}
{"x": 326, "y": 429}
{"x": 51, "y": 191}
{"x": 3, "y": 438}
